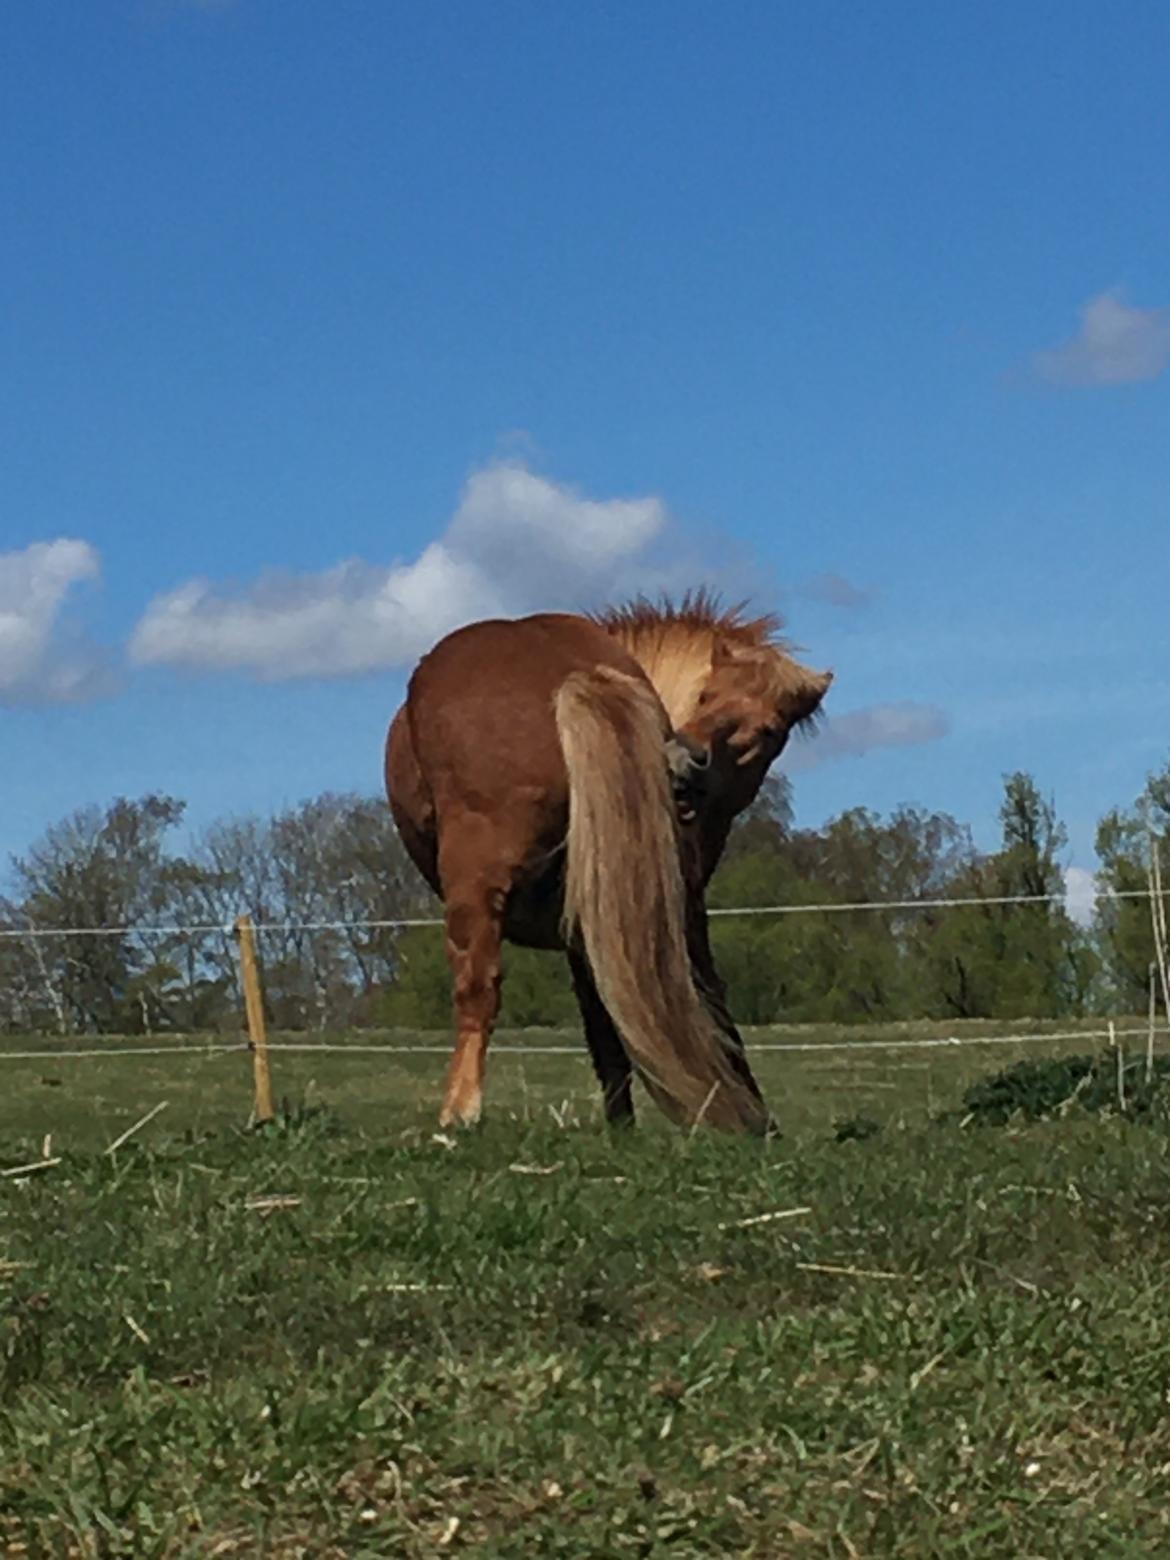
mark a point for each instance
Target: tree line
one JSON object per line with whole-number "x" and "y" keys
{"x": 310, "y": 874}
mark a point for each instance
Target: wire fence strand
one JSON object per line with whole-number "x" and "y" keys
{"x": 343, "y": 1047}
{"x": 403, "y": 923}
{"x": 115, "y": 1048}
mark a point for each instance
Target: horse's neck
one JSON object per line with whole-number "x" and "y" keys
{"x": 677, "y": 665}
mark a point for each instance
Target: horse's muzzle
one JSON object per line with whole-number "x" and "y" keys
{"x": 687, "y": 763}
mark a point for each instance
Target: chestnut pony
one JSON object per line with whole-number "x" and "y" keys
{"x": 569, "y": 782}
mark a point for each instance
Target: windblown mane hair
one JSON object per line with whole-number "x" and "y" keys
{"x": 674, "y": 644}
{"x": 699, "y": 615}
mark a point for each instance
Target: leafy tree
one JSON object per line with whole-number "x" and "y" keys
{"x": 102, "y": 870}
{"x": 1014, "y": 960}
{"x": 331, "y": 883}
{"x": 308, "y": 877}
{"x": 836, "y": 965}
{"x": 1124, "y": 933}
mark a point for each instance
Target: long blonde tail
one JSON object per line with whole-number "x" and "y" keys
{"x": 625, "y": 898}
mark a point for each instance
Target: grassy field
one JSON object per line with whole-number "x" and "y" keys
{"x": 352, "y": 1336}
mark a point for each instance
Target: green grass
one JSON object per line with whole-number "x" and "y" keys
{"x": 413, "y": 1348}
{"x": 88, "y": 1101}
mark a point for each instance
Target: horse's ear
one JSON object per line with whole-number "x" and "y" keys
{"x": 726, "y": 652}
{"x": 812, "y": 689}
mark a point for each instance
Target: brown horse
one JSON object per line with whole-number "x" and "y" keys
{"x": 569, "y": 782}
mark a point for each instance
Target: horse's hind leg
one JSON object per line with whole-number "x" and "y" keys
{"x": 475, "y": 901}
{"x": 610, "y": 1062}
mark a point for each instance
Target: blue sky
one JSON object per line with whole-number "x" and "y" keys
{"x": 326, "y": 326}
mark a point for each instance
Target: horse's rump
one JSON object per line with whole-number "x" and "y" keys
{"x": 477, "y": 740}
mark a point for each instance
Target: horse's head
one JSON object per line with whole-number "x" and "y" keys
{"x": 752, "y": 699}
{"x": 732, "y": 694}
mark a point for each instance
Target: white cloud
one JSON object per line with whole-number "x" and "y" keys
{"x": 517, "y": 542}
{"x": 351, "y": 618}
{"x": 1080, "y": 894}
{"x": 1116, "y": 345}
{"x": 41, "y": 661}
{"x": 835, "y": 591}
{"x": 861, "y": 731}
{"x": 513, "y": 523}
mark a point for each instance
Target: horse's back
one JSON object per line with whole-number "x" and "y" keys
{"x": 518, "y": 658}
{"x": 481, "y": 702}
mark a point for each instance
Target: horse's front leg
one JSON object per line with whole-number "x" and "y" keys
{"x": 610, "y": 1062}
{"x": 714, "y": 993}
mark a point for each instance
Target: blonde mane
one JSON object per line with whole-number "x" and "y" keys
{"x": 675, "y": 644}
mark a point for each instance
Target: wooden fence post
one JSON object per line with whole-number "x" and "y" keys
{"x": 254, "y": 1007}
{"x": 1153, "y": 1023}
